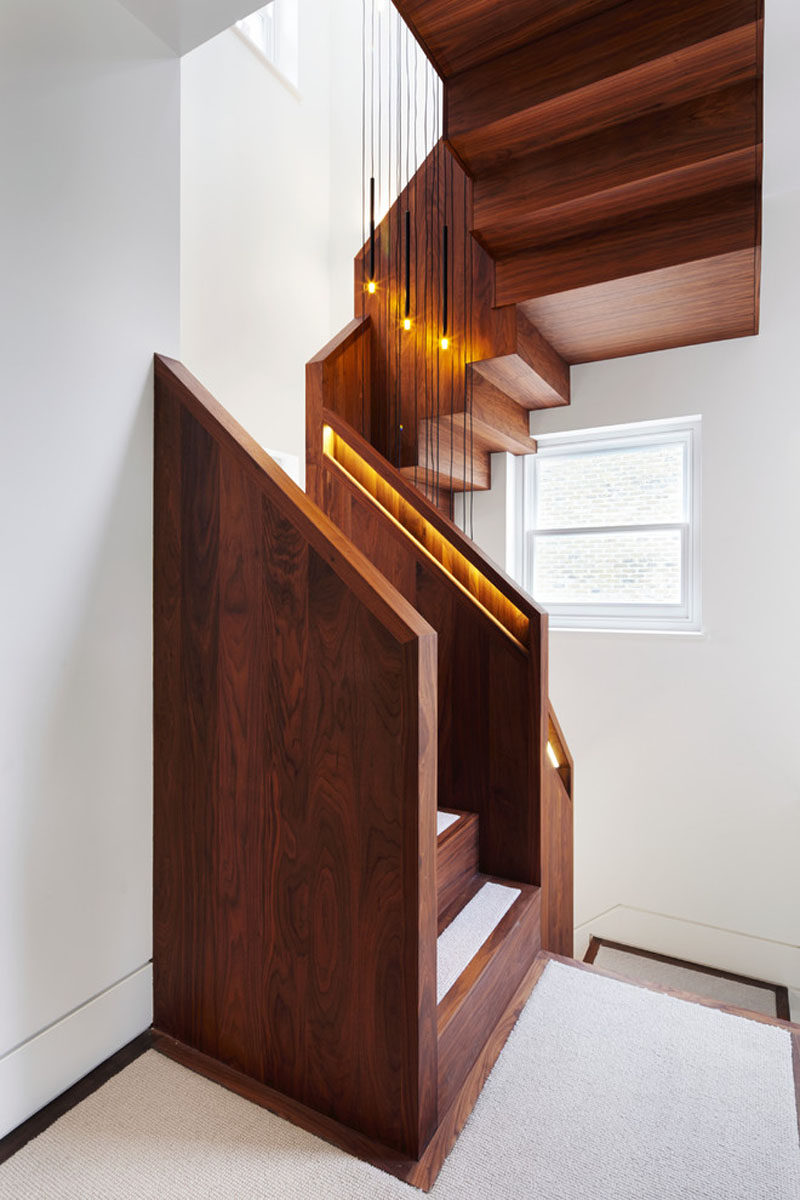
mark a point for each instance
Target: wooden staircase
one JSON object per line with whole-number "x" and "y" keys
{"x": 339, "y": 673}
{"x": 602, "y": 169}
{"x": 361, "y": 843}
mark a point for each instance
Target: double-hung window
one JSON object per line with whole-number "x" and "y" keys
{"x": 612, "y": 527}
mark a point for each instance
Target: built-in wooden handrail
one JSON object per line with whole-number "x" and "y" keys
{"x": 295, "y": 691}
{"x": 439, "y": 548}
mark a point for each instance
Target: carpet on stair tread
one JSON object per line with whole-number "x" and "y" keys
{"x": 444, "y": 821}
{"x": 458, "y": 944}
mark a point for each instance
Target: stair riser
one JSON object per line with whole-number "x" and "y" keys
{"x": 456, "y": 866}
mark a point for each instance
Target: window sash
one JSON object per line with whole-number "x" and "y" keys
{"x": 616, "y": 607}
{"x": 623, "y": 615}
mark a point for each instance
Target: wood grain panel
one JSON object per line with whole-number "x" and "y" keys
{"x": 681, "y": 305}
{"x": 456, "y": 863}
{"x": 485, "y": 721}
{"x": 721, "y": 223}
{"x": 655, "y": 53}
{"x": 557, "y": 865}
{"x": 458, "y": 34}
{"x": 297, "y": 840}
{"x": 473, "y": 1006}
{"x": 172, "y": 898}
{"x": 416, "y": 387}
{"x": 199, "y": 599}
{"x": 703, "y": 145}
{"x": 421, "y": 1172}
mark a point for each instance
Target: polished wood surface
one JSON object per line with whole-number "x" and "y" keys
{"x": 486, "y": 715}
{"x": 699, "y": 301}
{"x": 494, "y": 712}
{"x": 605, "y": 144}
{"x": 420, "y": 1173}
{"x": 339, "y": 377}
{"x": 557, "y": 864}
{"x": 703, "y": 145}
{"x": 456, "y": 866}
{"x": 457, "y": 35}
{"x": 654, "y": 53}
{"x": 720, "y": 223}
{"x": 295, "y": 794}
{"x": 419, "y": 392}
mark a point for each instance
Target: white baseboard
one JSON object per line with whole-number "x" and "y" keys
{"x": 773, "y": 962}
{"x": 34, "y": 1073}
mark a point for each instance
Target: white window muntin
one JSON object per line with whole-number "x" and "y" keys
{"x": 684, "y": 615}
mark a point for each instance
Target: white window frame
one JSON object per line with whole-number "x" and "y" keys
{"x": 682, "y": 617}
{"x": 241, "y": 29}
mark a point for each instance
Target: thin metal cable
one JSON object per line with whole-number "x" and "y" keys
{"x": 363, "y": 207}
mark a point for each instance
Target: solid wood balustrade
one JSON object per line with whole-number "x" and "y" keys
{"x": 493, "y": 709}
{"x": 294, "y": 789}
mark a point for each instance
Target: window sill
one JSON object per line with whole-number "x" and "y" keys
{"x": 658, "y": 633}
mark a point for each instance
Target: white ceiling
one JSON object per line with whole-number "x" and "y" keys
{"x": 185, "y": 24}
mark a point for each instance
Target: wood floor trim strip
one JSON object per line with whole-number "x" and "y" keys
{"x": 779, "y": 1022}
{"x": 47, "y": 1116}
{"x": 796, "y": 1072}
{"x": 780, "y": 992}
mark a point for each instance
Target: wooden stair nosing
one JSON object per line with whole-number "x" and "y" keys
{"x": 719, "y": 223}
{"x": 494, "y": 422}
{"x": 686, "y": 304}
{"x": 448, "y": 468}
{"x": 467, "y": 1015}
{"x": 485, "y": 135}
{"x": 635, "y": 162}
{"x": 511, "y": 375}
{"x": 619, "y": 204}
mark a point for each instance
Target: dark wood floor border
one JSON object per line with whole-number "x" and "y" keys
{"x": 47, "y": 1116}
{"x": 796, "y": 1072}
{"x": 780, "y": 992}
{"x": 692, "y": 997}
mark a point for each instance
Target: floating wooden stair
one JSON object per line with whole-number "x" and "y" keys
{"x": 615, "y": 156}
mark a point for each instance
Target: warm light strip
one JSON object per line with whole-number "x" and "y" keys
{"x": 434, "y": 545}
{"x": 551, "y": 754}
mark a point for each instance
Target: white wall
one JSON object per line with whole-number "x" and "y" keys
{"x": 255, "y": 227}
{"x": 271, "y": 209}
{"x": 89, "y": 252}
{"x": 687, "y": 751}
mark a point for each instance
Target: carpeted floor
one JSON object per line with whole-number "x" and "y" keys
{"x": 669, "y": 975}
{"x": 604, "y": 1091}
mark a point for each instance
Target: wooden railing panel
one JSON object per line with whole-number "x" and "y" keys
{"x": 493, "y": 702}
{"x": 557, "y": 860}
{"x": 487, "y": 721}
{"x": 295, "y": 767}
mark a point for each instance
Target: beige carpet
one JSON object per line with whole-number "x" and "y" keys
{"x": 605, "y": 1091}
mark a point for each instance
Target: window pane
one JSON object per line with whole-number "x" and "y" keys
{"x": 641, "y": 485}
{"x": 608, "y": 568}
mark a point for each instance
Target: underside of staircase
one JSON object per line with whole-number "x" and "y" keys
{"x": 600, "y": 175}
